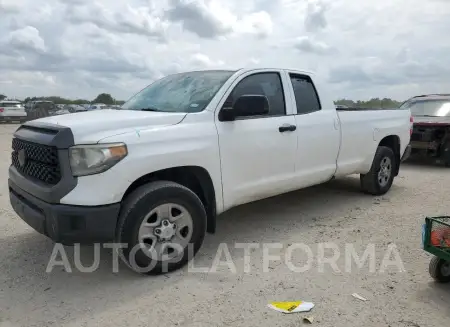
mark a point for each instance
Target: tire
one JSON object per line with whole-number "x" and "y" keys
{"x": 437, "y": 267}
{"x": 139, "y": 205}
{"x": 445, "y": 153}
{"x": 371, "y": 182}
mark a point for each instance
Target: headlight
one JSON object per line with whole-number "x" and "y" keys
{"x": 96, "y": 158}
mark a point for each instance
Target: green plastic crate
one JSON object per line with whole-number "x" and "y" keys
{"x": 433, "y": 224}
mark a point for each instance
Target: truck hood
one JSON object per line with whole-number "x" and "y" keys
{"x": 423, "y": 120}
{"x": 92, "y": 126}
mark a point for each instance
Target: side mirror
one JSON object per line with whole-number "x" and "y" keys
{"x": 245, "y": 105}
{"x": 251, "y": 105}
{"x": 227, "y": 113}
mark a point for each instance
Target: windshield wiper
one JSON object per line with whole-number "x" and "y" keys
{"x": 427, "y": 116}
{"x": 142, "y": 109}
{"x": 149, "y": 109}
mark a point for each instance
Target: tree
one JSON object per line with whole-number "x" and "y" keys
{"x": 372, "y": 103}
{"x": 79, "y": 101}
{"x": 2, "y": 96}
{"x": 101, "y": 98}
{"x": 104, "y": 98}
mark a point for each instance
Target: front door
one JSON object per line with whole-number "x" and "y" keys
{"x": 257, "y": 156}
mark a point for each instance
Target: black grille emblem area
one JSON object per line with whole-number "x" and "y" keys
{"x": 36, "y": 161}
{"x": 22, "y": 157}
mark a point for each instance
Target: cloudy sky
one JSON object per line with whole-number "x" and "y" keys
{"x": 362, "y": 49}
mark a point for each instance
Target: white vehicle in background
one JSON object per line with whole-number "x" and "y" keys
{"x": 12, "y": 110}
{"x": 155, "y": 173}
{"x": 61, "y": 112}
{"x": 75, "y": 108}
{"x": 98, "y": 106}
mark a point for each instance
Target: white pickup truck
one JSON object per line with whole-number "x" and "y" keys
{"x": 154, "y": 174}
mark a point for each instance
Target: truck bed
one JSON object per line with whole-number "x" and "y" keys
{"x": 362, "y": 130}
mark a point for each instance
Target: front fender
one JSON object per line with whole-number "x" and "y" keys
{"x": 150, "y": 151}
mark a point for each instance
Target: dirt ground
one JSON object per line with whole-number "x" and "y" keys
{"x": 336, "y": 212}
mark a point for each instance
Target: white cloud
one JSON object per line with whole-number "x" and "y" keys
{"x": 9, "y": 7}
{"x": 31, "y": 81}
{"x": 127, "y": 19}
{"x": 307, "y": 44}
{"x": 258, "y": 23}
{"x": 315, "y": 18}
{"x": 202, "y": 60}
{"x": 211, "y": 19}
{"x": 79, "y": 48}
{"x": 27, "y": 38}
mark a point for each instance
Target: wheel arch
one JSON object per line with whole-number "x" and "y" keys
{"x": 393, "y": 142}
{"x": 195, "y": 178}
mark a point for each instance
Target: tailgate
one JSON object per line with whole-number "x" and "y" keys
{"x": 14, "y": 113}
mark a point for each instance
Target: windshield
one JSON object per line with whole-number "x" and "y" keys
{"x": 184, "y": 92}
{"x": 434, "y": 108}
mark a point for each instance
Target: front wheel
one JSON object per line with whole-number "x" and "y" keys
{"x": 381, "y": 175}
{"x": 162, "y": 225}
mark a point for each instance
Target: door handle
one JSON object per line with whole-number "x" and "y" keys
{"x": 287, "y": 128}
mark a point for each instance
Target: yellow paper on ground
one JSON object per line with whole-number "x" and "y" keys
{"x": 291, "y": 307}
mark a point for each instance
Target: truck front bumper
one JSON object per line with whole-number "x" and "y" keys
{"x": 65, "y": 223}
{"x": 407, "y": 153}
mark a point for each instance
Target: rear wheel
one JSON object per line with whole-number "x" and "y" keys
{"x": 163, "y": 225}
{"x": 381, "y": 175}
{"x": 440, "y": 270}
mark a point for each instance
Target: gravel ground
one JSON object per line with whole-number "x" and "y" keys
{"x": 336, "y": 212}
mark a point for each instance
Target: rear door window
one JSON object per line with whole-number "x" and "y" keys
{"x": 306, "y": 97}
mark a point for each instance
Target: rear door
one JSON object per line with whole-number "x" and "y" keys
{"x": 318, "y": 132}
{"x": 257, "y": 157}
